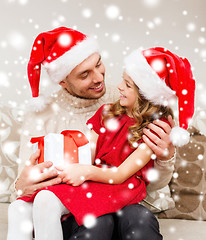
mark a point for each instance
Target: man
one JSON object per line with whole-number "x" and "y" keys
{"x": 72, "y": 60}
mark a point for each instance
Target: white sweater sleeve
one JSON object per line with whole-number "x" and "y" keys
{"x": 165, "y": 170}
{"x": 25, "y": 149}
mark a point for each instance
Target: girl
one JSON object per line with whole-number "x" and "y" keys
{"x": 121, "y": 158}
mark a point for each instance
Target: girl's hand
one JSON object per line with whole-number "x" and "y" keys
{"x": 74, "y": 174}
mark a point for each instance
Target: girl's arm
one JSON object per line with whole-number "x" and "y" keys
{"x": 93, "y": 141}
{"x": 136, "y": 161}
{"x": 76, "y": 174}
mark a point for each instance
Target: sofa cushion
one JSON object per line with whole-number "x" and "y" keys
{"x": 189, "y": 180}
{"x": 159, "y": 200}
{"x": 9, "y": 148}
{"x": 178, "y": 229}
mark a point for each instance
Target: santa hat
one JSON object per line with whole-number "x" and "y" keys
{"x": 162, "y": 76}
{"x": 59, "y": 51}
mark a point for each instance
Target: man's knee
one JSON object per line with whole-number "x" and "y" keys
{"x": 105, "y": 221}
{"x": 136, "y": 214}
{"x": 102, "y": 230}
{"x": 137, "y": 222}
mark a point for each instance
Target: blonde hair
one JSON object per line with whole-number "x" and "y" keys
{"x": 143, "y": 111}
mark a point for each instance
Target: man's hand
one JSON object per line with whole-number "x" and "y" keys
{"x": 34, "y": 177}
{"x": 161, "y": 146}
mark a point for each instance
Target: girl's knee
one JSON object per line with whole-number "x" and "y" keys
{"x": 44, "y": 200}
{"x": 45, "y": 197}
{"x": 47, "y": 202}
{"x": 18, "y": 207}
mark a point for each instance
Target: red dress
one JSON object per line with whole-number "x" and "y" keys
{"x": 99, "y": 198}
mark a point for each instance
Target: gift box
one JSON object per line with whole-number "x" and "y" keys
{"x": 71, "y": 146}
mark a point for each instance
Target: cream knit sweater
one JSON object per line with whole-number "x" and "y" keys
{"x": 68, "y": 112}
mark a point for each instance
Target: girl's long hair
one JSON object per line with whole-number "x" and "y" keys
{"x": 143, "y": 112}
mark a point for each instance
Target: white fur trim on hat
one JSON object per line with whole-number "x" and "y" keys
{"x": 62, "y": 66}
{"x": 38, "y": 104}
{"x": 150, "y": 85}
{"x": 179, "y": 136}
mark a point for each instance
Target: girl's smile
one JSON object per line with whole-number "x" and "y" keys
{"x": 128, "y": 92}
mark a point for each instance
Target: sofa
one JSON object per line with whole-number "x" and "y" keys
{"x": 181, "y": 215}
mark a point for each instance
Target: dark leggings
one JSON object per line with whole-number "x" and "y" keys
{"x": 134, "y": 222}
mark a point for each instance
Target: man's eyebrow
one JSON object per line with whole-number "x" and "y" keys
{"x": 86, "y": 71}
{"x": 81, "y": 73}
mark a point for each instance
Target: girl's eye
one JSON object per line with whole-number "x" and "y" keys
{"x": 128, "y": 85}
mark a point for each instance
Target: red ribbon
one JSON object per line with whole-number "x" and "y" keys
{"x": 72, "y": 140}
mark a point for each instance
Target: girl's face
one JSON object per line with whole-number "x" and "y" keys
{"x": 128, "y": 92}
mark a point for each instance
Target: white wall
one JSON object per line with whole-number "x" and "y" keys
{"x": 179, "y": 25}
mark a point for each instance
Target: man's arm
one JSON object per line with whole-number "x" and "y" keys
{"x": 162, "y": 145}
{"x": 24, "y": 185}
{"x": 163, "y": 149}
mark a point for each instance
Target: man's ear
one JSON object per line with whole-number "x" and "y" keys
{"x": 63, "y": 84}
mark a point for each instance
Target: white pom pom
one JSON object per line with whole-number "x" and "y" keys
{"x": 179, "y": 136}
{"x": 38, "y": 104}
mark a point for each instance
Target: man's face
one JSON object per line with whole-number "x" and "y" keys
{"x": 87, "y": 79}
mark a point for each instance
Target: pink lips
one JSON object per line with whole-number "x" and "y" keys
{"x": 122, "y": 96}
{"x": 98, "y": 89}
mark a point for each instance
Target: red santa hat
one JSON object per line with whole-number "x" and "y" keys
{"x": 162, "y": 76}
{"x": 59, "y": 51}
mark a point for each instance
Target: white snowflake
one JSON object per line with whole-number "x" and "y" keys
{"x": 89, "y": 195}
{"x": 202, "y": 40}
{"x": 4, "y": 81}
{"x": 115, "y": 37}
{"x": 65, "y": 40}
{"x": 111, "y": 181}
{"x": 152, "y": 175}
{"x": 158, "y": 65}
{"x": 200, "y": 157}
{"x": 102, "y": 130}
{"x": 157, "y": 20}
{"x": 172, "y": 229}
{"x": 105, "y": 54}
{"x": 3, "y": 44}
{"x": 9, "y": 147}
{"x": 175, "y": 175}
{"x": 151, "y": 3}
{"x": 130, "y": 185}
{"x": 23, "y": 2}
{"x": 112, "y": 12}
{"x": 202, "y": 29}
{"x": 150, "y": 25}
{"x": 89, "y": 221}
{"x": 112, "y": 124}
{"x": 17, "y": 40}
{"x": 191, "y": 27}
{"x": 87, "y": 13}
{"x": 153, "y": 156}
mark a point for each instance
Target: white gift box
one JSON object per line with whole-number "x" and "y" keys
{"x": 71, "y": 146}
